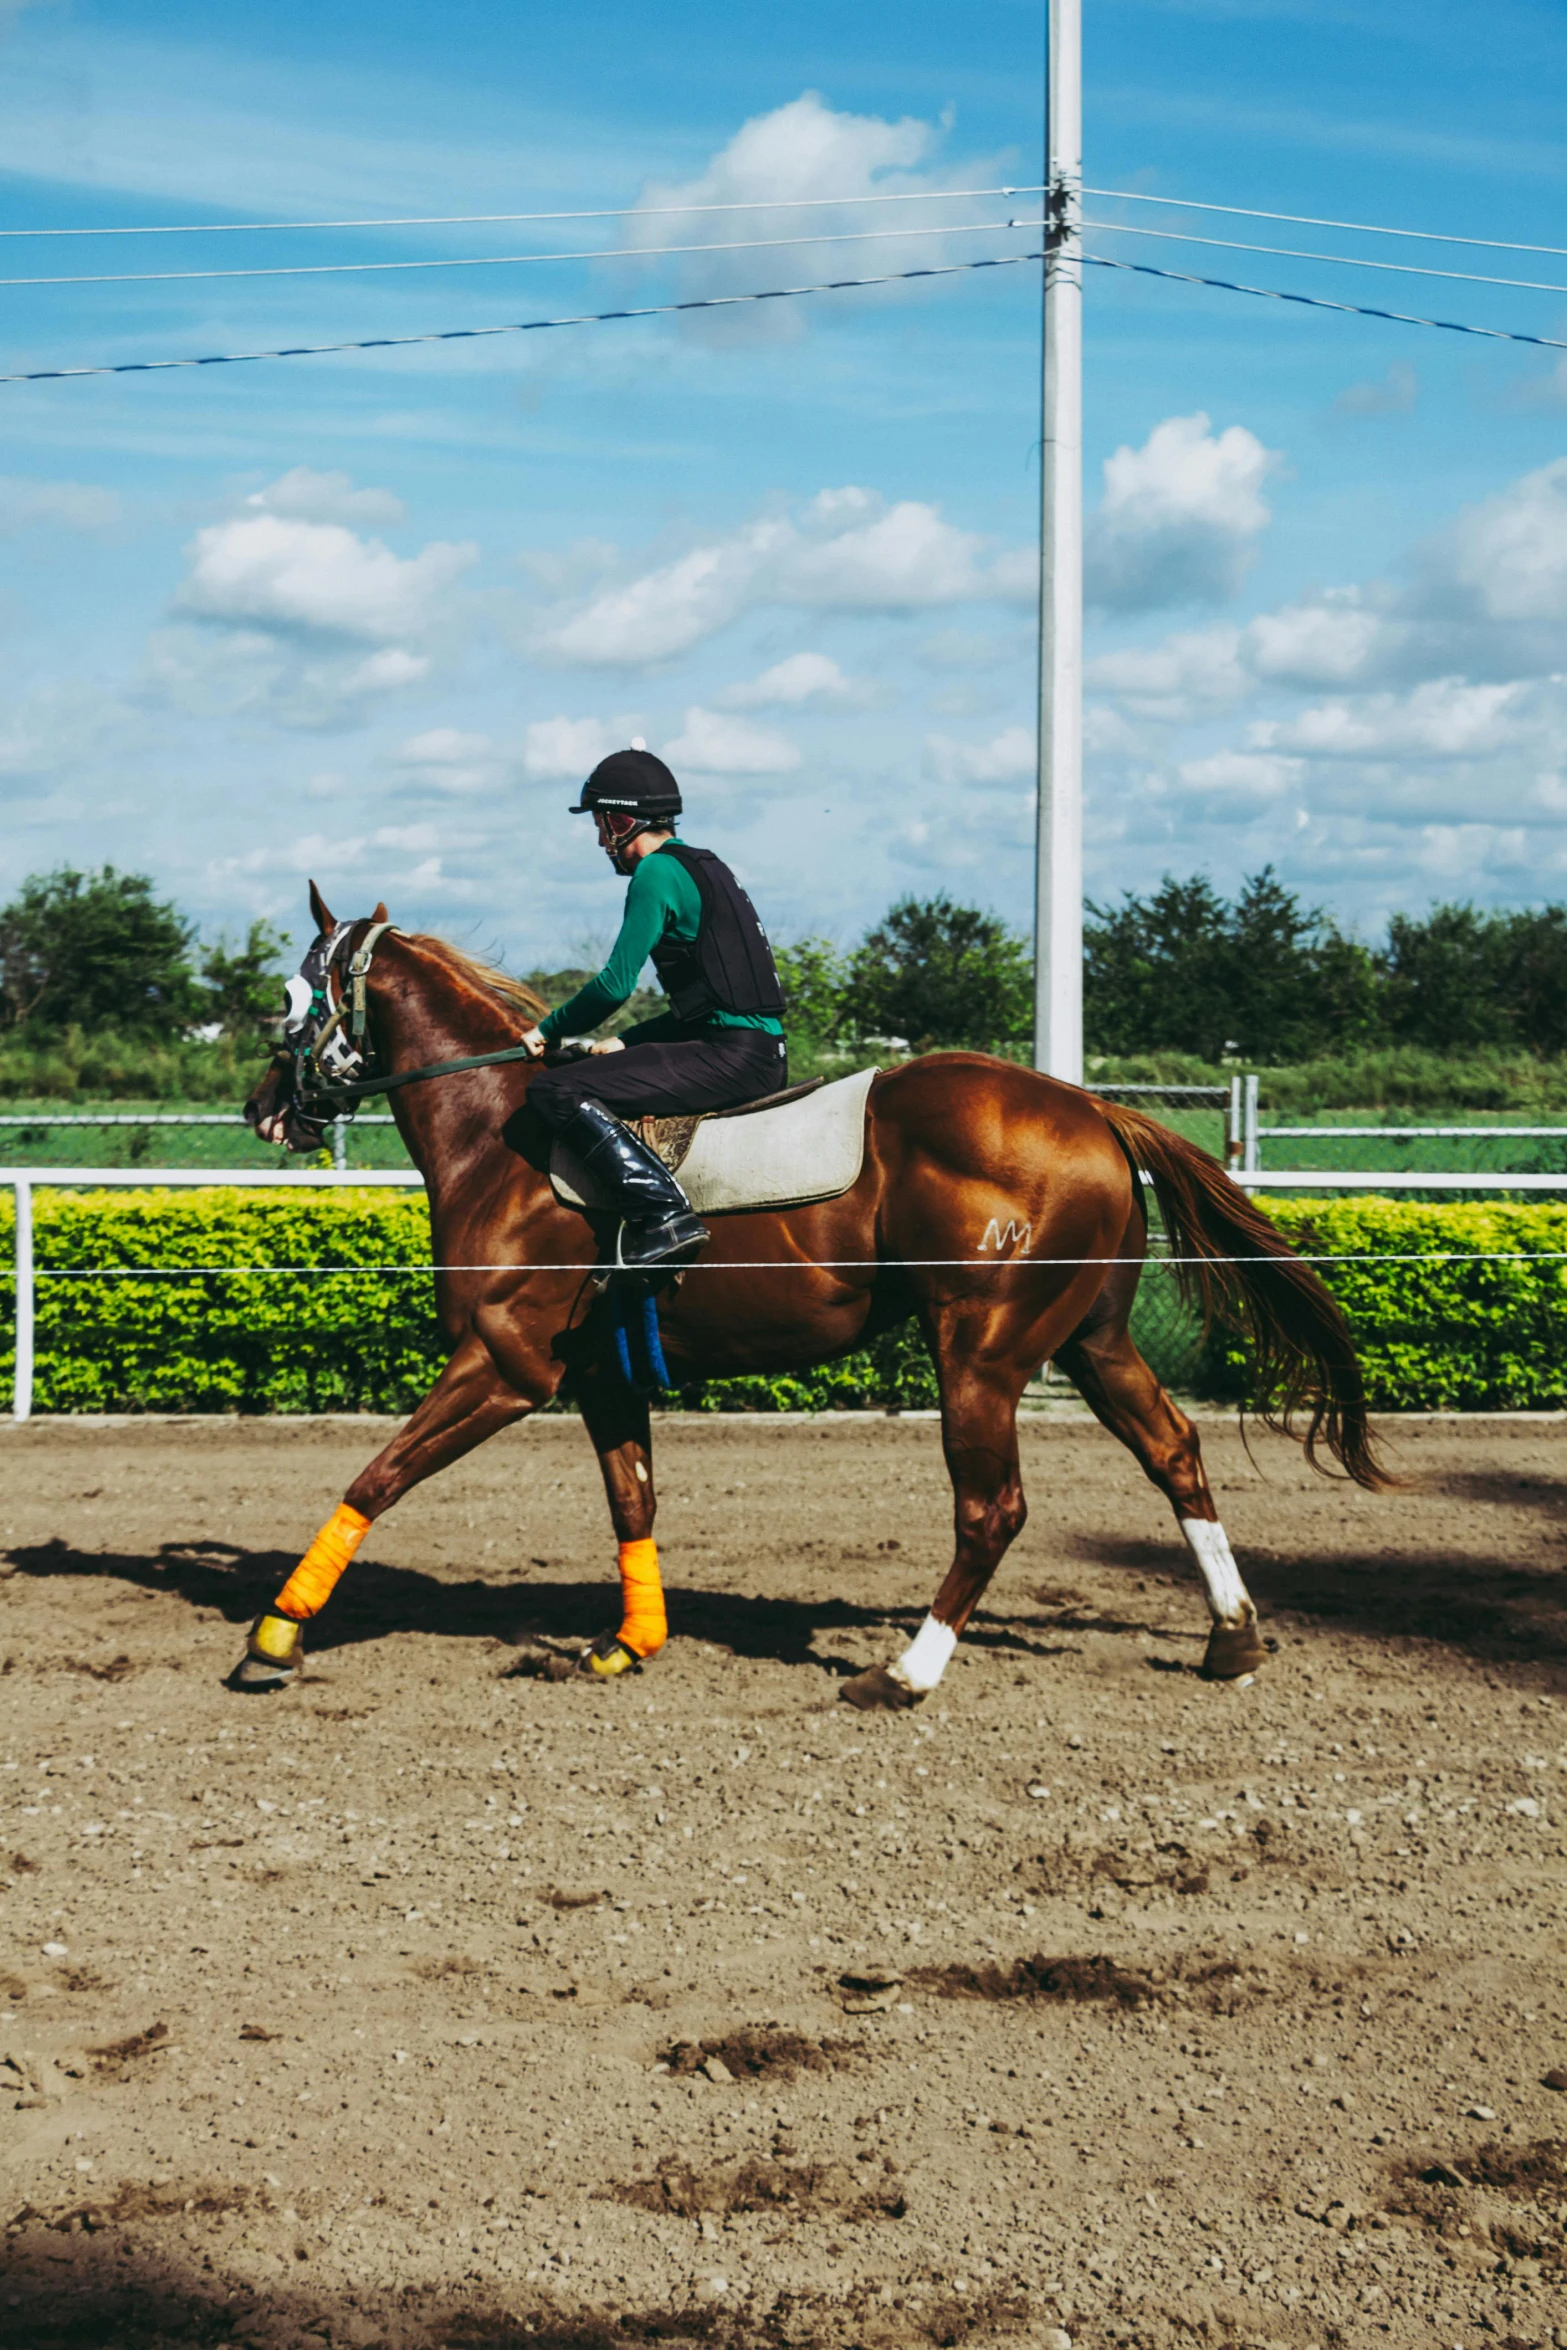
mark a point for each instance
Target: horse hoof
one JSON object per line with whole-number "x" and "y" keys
{"x": 1235, "y": 1653}
{"x": 609, "y": 1656}
{"x": 878, "y": 1692}
{"x": 274, "y": 1653}
{"x": 253, "y": 1675}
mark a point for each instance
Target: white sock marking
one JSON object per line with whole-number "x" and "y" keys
{"x": 927, "y": 1656}
{"x": 1229, "y": 1602}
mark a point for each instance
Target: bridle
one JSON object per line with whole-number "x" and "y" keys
{"x": 326, "y": 1035}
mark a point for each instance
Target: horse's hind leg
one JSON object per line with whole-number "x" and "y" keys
{"x": 979, "y": 1438}
{"x": 1114, "y": 1380}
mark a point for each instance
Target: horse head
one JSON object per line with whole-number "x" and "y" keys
{"x": 313, "y": 1019}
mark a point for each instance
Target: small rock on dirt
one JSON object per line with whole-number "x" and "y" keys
{"x": 1556, "y": 2078}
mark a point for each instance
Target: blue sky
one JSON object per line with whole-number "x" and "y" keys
{"x": 371, "y": 616}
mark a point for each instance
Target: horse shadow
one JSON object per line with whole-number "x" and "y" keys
{"x": 378, "y": 1598}
{"x": 1486, "y": 1606}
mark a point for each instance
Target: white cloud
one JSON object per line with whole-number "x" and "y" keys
{"x": 1445, "y": 718}
{"x": 900, "y": 560}
{"x": 572, "y": 747}
{"x": 804, "y": 677}
{"x": 712, "y": 744}
{"x": 306, "y": 496}
{"x": 64, "y": 505}
{"x": 794, "y": 161}
{"x": 1009, "y": 757}
{"x": 1195, "y": 668}
{"x": 1506, "y": 559}
{"x": 1243, "y": 777}
{"x": 1179, "y": 518}
{"x": 1326, "y": 641}
{"x": 269, "y": 571}
{"x": 845, "y": 552}
{"x": 444, "y": 759}
{"x": 1393, "y": 394}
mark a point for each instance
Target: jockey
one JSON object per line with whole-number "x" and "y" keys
{"x": 719, "y": 1044}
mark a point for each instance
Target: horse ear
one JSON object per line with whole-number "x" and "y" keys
{"x": 319, "y": 912}
{"x": 380, "y": 914}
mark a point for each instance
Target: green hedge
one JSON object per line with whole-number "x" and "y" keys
{"x": 1474, "y": 1333}
{"x": 206, "y": 1333}
{"x": 360, "y": 1335}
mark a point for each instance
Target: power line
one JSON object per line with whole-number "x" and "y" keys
{"x": 1177, "y": 236}
{"x": 1224, "y": 285}
{"x": 468, "y": 334}
{"x": 1359, "y": 228}
{"x": 464, "y": 334}
{"x": 144, "y": 277}
{"x": 247, "y": 228}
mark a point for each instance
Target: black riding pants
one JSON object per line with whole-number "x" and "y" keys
{"x": 717, "y": 1070}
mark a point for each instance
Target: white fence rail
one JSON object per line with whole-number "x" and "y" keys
{"x": 25, "y": 1181}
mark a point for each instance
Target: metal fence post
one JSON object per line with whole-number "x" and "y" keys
{"x": 1251, "y": 1156}
{"x": 22, "y": 1399}
{"x": 339, "y": 1146}
{"x": 1232, "y": 1130}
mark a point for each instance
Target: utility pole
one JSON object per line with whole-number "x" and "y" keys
{"x": 1058, "y": 901}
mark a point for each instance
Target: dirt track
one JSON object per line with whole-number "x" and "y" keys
{"x": 359, "y": 2027}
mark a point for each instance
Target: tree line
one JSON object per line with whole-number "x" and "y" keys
{"x": 102, "y": 952}
{"x": 1260, "y": 977}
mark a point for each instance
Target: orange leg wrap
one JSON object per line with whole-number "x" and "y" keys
{"x": 644, "y": 1626}
{"x": 313, "y": 1581}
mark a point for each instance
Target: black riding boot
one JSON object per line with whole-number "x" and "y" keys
{"x": 659, "y": 1227}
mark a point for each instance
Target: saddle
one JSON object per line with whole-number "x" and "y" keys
{"x": 783, "y": 1151}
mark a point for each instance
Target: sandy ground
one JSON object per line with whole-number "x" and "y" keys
{"x": 439, "y": 2002}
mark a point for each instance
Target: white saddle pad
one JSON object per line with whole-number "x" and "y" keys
{"x": 806, "y": 1150}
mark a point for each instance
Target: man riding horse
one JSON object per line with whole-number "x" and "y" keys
{"x": 719, "y": 1044}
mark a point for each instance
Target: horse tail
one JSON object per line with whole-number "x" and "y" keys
{"x": 1238, "y": 1268}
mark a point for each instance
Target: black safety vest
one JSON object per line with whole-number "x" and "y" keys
{"x": 728, "y": 966}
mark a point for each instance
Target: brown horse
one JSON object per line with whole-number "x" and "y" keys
{"x": 1000, "y": 1208}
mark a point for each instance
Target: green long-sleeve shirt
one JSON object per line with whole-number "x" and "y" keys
{"x": 663, "y": 901}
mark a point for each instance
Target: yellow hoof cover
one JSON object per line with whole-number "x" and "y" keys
{"x": 608, "y": 1656}
{"x": 276, "y": 1641}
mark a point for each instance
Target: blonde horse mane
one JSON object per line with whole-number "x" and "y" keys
{"x": 489, "y": 978}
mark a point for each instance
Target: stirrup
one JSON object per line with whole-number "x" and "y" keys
{"x": 674, "y": 1240}
{"x": 608, "y": 1656}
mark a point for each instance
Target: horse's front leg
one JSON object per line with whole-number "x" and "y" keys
{"x": 470, "y": 1401}
{"x": 619, "y": 1424}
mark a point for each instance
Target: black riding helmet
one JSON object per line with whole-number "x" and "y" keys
{"x": 630, "y": 783}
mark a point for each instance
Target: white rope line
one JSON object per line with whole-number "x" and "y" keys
{"x": 1359, "y": 228}
{"x": 1455, "y": 1256}
{"x": 1173, "y": 236}
{"x": 248, "y": 228}
{"x": 150, "y": 277}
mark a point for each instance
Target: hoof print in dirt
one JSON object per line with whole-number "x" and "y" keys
{"x": 1218, "y": 1985}
{"x": 758, "y": 2052}
{"x": 542, "y": 1665}
{"x": 877, "y": 1692}
{"x": 758, "y": 2184}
